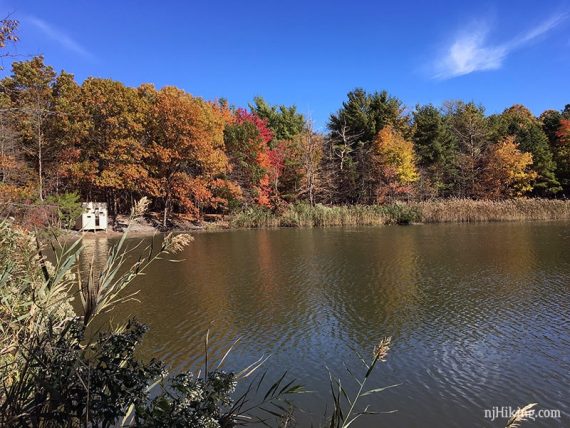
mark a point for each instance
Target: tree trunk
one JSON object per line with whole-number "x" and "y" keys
{"x": 166, "y": 206}
{"x": 40, "y": 161}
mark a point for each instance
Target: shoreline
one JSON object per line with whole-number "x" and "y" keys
{"x": 402, "y": 213}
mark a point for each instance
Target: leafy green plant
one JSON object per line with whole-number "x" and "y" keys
{"x": 208, "y": 400}
{"x": 64, "y": 380}
{"x": 402, "y": 214}
{"x": 68, "y": 208}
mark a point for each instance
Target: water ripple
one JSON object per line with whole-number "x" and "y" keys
{"x": 479, "y": 313}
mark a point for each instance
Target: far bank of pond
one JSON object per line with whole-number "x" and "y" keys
{"x": 304, "y": 215}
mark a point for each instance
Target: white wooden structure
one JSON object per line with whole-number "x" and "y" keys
{"x": 94, "y": 217}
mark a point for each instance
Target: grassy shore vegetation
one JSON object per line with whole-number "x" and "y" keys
{"x": 195, "y": 158}
{"x": 471, "y": 211}
{"x": 442, "y": 211}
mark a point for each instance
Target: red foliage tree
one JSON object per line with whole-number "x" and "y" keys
{"x": 255, "y": 165}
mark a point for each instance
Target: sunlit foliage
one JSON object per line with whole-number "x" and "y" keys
{"x": 109, "y": 142}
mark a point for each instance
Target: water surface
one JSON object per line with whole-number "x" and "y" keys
{"x": 479, "y": 313}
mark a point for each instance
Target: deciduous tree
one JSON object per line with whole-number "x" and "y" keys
{"x": 527, "y": 130}
{"x": 286, "y": 125}
{"x": 247, "y": 142}
{"x": 30, "y": 88}
{"x": 312, "y": 149}
{"x": 393, "y": 168}
{"x": 113, "y": 156}
{"x": 188, "y": 162}
{"x": 68, "y": 128}
{"x": 562, "y": 153}
{"x": 507, "y": 172}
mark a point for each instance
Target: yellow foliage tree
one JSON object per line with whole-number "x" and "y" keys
{"x": 393, "y": 165}
{"x": 507, "y": 171}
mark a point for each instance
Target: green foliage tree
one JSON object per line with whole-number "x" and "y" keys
{"x": 285, "y": 122}
{"x": 436, "y": 148}
{"x": 68, "y": 208}
{"x": 554, "y": 126}
{"x": 364, "y": 115}
{"x": 550, "y": 121}
{"x": 352, "y": 130}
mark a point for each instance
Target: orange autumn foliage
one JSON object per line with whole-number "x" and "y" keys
{"x": 507, "y": 171}
{"x": 186, "y": 152}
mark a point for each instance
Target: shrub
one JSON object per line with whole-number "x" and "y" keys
{"x": 402, "y": 214}
{"x": 68, "y": 208}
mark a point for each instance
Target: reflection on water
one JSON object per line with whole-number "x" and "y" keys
{"x": 479, "y": 313}
{"x": 94, "y": 252}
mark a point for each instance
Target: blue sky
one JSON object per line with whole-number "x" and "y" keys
{"x": 311, "y": 53}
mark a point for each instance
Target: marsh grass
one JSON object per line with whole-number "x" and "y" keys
{"x": 522, "y": 414}
{"x": 345, "y": 410}
{"x": 436, "y": 211}
{"x": 472, "y": 211}
{"x": 304, "y": 215}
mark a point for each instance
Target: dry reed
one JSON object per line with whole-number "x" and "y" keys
{"x": 435, "y": 211}
{"x": 472, "y": 211}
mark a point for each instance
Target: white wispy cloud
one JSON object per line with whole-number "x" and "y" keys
{"x": 471, "y": 51}
{"x": 59, "y": 36}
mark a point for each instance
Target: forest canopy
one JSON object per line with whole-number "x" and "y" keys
{"x": 108, "y": 142}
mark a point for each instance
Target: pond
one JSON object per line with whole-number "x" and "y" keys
{"x": 479, "y": 314}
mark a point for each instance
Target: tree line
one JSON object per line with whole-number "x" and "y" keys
{"x": 110, "y": 142}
